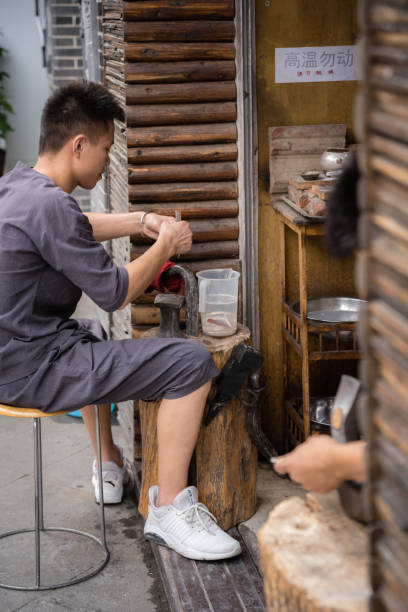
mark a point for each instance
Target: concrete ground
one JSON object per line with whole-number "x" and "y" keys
{"x": 129, "y": 583}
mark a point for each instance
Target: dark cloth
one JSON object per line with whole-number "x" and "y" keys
{"x": 102, "y": 372}
{"x": 163, "y": 282}
{"x": 48, "y": 256}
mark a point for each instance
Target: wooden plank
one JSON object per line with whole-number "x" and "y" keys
{"x": 205, "y": 230}
{"x": 181, "y": 92}
{"x": 162, "y": 10}
{"x": 165, "y": 173}
{"x": 170, "y": 192}
{"x": 179, "y": 31}
{"x": 203, "y": 250}
{"x": 179, "y": 72}
{"x": 196, "y": 153}
{"x": 221, "y": 586}
{"x": 182, "y": 134}
{"x": 191, "y": 210}
{"x": 170, "y": 114}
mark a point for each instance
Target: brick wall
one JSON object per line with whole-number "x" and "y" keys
{"x": 65, "y": 55}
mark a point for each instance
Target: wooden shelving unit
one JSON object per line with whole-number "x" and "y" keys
{"x": 312, "y": 341}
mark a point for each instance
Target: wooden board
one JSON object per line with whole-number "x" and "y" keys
{"x": 220, "y": 586}
{"x": 295, "y": 149}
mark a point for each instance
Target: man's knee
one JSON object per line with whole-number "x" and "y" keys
{"x": 198, "y": 357}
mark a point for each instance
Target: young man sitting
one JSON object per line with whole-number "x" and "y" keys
{"x": 49, "y": 253}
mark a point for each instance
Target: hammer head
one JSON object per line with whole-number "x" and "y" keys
{"x": 344, "y": 423}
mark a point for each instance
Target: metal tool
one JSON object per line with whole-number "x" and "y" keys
{"x": 170, "y": 305}
{"x": 191, "y": 296}
{"x": 345, "y": 428}
{"x": 242, "y": 361}
{"x": 177, "y": 214}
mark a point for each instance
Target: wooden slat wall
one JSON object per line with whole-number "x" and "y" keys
{"x": 179, "y": 70}
{"x": 385, "y": 231}
{"x": 113, "y": 51}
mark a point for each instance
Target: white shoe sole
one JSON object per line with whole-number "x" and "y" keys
{"x": 157, "y": 536}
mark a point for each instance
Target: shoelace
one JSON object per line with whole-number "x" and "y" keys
{"x": 193, "y": 513}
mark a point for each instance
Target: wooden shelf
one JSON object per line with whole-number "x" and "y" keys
{"x": 312, "y": 341}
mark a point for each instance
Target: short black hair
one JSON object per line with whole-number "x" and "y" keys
{"x": 343, "y": 211}
{"x": 79, "y": 107}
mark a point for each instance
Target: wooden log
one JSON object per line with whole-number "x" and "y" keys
{"x": 196, "y": 153}
{"x": 226, "y": 459}
{"x": 203, "y": 250}
{"x": 146, "y": 298}
{"x": 191, "y": 210}
{"x": 170, "y": 192}
{"x": 396, "y": 127}
{"x": 197, "y": 266}
{"x": 205, "y": 230}
{"x": 162, "y": 10}
{"x": 179, "y": 72}
{"x": 181, "y": 92}
{"x": 178, "y": 52}
{"x": 143, "y": 314}
{"x": 165, "y": 173}
{"x": 170, "y": 114}
{"x": 179, "y": 31}
{"x": 314, "y": 558}
{"x": 182, "y": 134}
{"x": 386, "y": 146}
{"x": 390, "y": 169}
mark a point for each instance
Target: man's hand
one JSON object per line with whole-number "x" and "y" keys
{"x": 321, "y": 464}
{"x": 152, "y": 224}
{"x": 176, "y": 235}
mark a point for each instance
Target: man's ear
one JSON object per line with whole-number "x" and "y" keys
{"x": 78, "y": 144}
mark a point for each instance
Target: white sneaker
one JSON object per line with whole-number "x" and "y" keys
{"x": 113, "y": 478}
{"x": 188, "y": 527}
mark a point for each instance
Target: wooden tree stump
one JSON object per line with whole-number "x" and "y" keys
{"x": 226, "y": 458}
{"x": 314, "y": 558}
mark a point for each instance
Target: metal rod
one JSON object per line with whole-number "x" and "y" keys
{"x": 40, "y": 477}
{"x": 99, "y": 459}
{"x": 37, "y": 504}
{"x": 177, "y": 214}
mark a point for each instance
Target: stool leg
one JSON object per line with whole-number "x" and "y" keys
{"x": 101, "y": 500}
{"x": 37, "y": 503}
{"x": 40, "y": 476}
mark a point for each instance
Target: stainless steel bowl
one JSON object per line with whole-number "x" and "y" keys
{"x": 333, "y": 159}
{"x": 332, "y": 309}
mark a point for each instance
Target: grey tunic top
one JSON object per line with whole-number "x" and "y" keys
{"x": 48, "y": 256}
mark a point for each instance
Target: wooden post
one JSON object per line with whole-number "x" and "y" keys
{"x": 226, "y": 459}
{"x": 304, "y": 331}
{"x": 314, "y": 558}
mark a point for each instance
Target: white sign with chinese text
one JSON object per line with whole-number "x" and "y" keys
{"x": 313, "y": 64}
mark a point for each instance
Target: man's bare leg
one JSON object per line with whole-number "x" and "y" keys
{"x": 178, "y": 425}
{"x": 109, "y": 451}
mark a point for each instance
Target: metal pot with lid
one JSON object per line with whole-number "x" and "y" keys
{"x": 332, "y": 160}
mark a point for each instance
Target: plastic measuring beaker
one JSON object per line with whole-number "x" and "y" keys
{"x": 218, "y": 301}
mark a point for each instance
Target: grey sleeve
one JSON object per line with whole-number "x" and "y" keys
{"x": 64, "y": 238}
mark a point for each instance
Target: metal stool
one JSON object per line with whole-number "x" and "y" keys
{"x": 37, "y": 415}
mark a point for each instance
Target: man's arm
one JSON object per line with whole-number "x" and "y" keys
{"x": 107, "y": 226}
{"x": 321, "y": 464}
